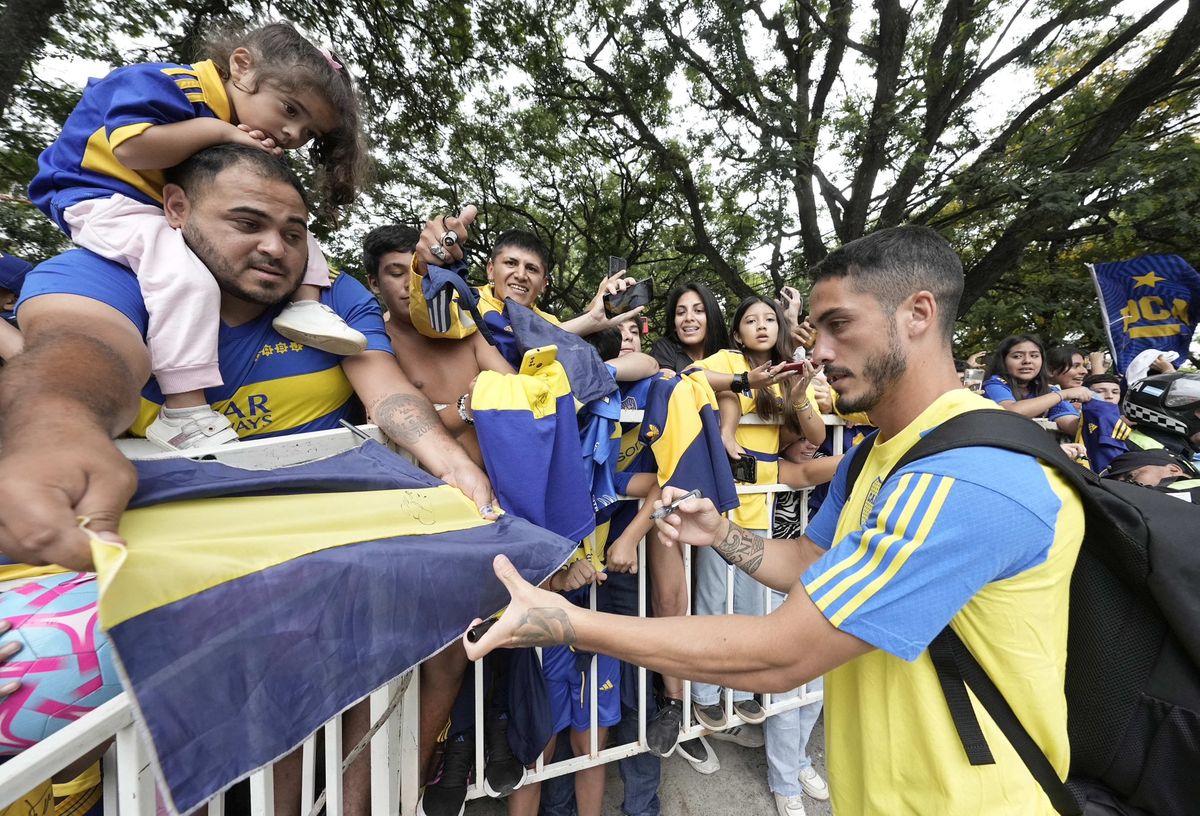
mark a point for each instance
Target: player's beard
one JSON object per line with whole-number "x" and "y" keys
{"x": 879, "y": 372}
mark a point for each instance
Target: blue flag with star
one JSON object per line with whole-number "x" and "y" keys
{"x": 1147, "y": 303}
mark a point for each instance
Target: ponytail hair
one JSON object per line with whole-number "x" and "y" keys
{"x": 286, "y": 60}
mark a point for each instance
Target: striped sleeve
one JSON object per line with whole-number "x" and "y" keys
{"x": 931, "y": 540}
{"x": 142, "y": 96}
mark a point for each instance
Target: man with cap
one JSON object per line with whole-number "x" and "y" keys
{"x": 1157, "y": 468}
{"x": 12, "y": 275}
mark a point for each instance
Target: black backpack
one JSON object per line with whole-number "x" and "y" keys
{"x": 1133, "y": 646}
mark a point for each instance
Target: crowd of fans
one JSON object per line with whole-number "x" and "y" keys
{"x": 752, "y": 357}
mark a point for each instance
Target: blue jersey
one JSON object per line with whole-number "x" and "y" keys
{"x": 80, "y": 165}
{"x": 272, "y": 386}
{"x": 998, "y": 390}
{"x": 1103, "y": 432}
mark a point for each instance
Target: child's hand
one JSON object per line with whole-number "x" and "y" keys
{"x": 793, "y": 303}
{"x": 257, "y": 138}
{"x": 805, "y": 335}
{"x": 622, "y": 556}
{"x": 732, "y": 448}
{"x": 579, "y": 574}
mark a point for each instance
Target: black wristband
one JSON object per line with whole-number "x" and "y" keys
{"x": 740, "y": 384}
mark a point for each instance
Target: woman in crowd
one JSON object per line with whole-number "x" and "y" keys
{"x": 762, "y": 341}
{"x": 695, "y": 328}
{"x": 1066, "y": 366}
{"x": 1016, "y": 379}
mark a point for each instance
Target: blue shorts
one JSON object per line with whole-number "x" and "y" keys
{"x": 568, "y": 685}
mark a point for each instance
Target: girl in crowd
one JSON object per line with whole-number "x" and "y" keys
{"x": 1066, "y": 366}
{"x": 763, "y": 342}
{"x": 695, "y": 328}
{"x": 102, "y": 181}
{"x": 1016, "y": 379}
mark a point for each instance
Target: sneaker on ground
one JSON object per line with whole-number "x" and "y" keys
{"x": 185, "y": 428}
{"x": 502, "y": 773}
{"x": 813, "y": 784}
{"x": 447, "y": 794}
{"x": 789, "y": 805}
{"x": 750, "y": 711}
{"x": 711, "y": 717}
{"x": 747, "y": 736}
{"x": 700, "y": 755}
{"x": 314, "y": 324}
{"x": 662, "y": 732}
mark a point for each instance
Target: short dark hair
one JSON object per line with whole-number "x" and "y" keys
{"x": 523, "y": 239}
{"x": 891, "y": 264}
{"x": 1092, "y": 379}
{"x": 606, "y": 342}
{"x": 388, "y": 238}
{"x": 195, "y": 173}
{"x": 715, "y": 336}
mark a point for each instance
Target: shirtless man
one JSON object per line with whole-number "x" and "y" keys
{"x": 444, "y": 370}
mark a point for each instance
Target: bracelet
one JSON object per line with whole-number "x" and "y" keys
{"x": 741, "y": 383}
{"x": 802, "y": 406}
{"x": 462, "y": 410}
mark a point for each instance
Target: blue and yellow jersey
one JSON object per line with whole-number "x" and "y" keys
{"x": 80, "y": 164}
{"x": 997, "y": 389}
{"x": 1103, "y": 432}
{"x": 272, "y": 386}
{"x": 982, "y": 539}
{"x": 759, "y": 441}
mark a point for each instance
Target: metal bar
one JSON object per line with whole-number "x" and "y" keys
{"x": 385, "y": 754}
{"x": 410, "y": 764}
{"x": 308, "y": 774}
{"x": 135, "y": 783}
{"x": 334, "y": 799}
{"x": 262, "y": 792}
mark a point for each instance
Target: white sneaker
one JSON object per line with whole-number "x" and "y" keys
{"x": 699, "y": 755}
{"x": 314, "y": 324}
{"x": 789, "y": 805}
{"x": 186, "y": 428}
{"x": 813, "y": 784}
{"x": 747, "y": 736}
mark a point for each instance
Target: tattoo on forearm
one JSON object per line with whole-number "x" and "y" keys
{"x": 404, "y": 418}
{"x": 742, "y": 548}
{"x": 544, "y": 626}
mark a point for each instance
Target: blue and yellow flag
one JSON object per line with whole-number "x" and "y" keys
{"x": 529, "y": 437}
{"x": 680, "y": 430}
{"x": 252, "y": 606}
{"x": 1147, "y": 303}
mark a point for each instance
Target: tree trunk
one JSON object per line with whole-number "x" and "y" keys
{"x": 24, "y": 29}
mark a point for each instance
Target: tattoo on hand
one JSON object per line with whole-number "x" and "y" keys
{"x": 742, "y": 548}
{"x": 404, "y": 418}
{"x": 544, "y": 626}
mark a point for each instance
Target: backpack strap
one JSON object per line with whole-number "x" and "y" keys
{"x": 860, "y": 453}
{"x": 957, "y": 669}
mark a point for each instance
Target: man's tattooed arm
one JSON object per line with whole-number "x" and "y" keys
{"x": 741, "y": 548}
{"x": 405, "y": 418}
{"x": 544, "y": 626}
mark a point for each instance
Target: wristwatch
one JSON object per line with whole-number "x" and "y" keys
{"x": 741, "y": 383}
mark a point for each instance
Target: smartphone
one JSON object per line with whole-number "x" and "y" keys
{"x": 538, "y": 358}
{"x": 973, "y": 378}
{"x": 745, "y": 469}
{"x": 637, "y": 295}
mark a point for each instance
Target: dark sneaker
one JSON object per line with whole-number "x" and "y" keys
{"x": 700, "y": 755}
{"x": 711, "y": 717}
{"x": 502, "y": 774}
{"x": 747, "y": 736}
{"x": 662, "y": 732}
{"x": 750, "y": 711}
{"x": 447, "y": 794}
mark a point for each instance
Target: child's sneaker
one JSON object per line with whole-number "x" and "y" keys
{"x": 314, "y": 324}
{"x": 813, "y": 784}
{"x": 186, "y": 428}
{"x": 711, "y": 717}
{"x": 662, "y": 732}
{"x": 750, "y": 711}
{"x": 447, "y": 795}
{"x": 502, "y": 773}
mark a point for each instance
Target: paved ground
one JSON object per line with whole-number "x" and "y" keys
{"x": 738, "y": 789}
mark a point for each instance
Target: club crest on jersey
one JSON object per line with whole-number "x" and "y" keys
{"x": 869, "y": 501}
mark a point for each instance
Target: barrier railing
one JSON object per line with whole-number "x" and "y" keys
{"x": 128, "y": 782}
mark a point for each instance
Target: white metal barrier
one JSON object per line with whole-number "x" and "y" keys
{"x": 129, "y": 788}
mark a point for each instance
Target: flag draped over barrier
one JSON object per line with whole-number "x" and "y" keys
{"x": 252, "y": 606}
{"x": 1147, "y": 303}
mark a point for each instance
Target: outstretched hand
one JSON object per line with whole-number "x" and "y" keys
{"x": 534, "y": 617}
{"x": 442, "y": 241}
{"x": 695, "y": 522}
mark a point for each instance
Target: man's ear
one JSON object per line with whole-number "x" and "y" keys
{"x": 8, "y": 300}
{"x": 175, "y": 205}
{"x": 373, "y": 283}
{"x": 922, "y": 312}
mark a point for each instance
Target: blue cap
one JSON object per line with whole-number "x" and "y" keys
{"x": 12, "y": 272}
